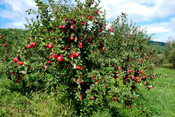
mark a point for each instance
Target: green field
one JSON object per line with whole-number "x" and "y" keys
{"x": 159, "y": 102}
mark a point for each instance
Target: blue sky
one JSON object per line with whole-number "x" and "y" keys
{"x": 156, "y": 16}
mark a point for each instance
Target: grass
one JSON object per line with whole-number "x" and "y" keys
{"x": 158, "y": 102}
{"x": 161, "y": 99}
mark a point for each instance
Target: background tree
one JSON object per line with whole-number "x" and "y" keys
{"x": 170, "y": 51}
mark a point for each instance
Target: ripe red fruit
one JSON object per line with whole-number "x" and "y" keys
{"x": 106, "y": 35}
{"x": 100, "y": 30}
{"x": 60, "y": 58}
{"x": 96, "y": 11}
{"x": 91, "y": 18}
{"x": 75, "y": 54}
{"x": 114, "y": 98}
{"x": 33, "y": 44}
{"x": 82, "y": 82}
{"x": 12, "y": 73}
{"x": 1, "y": 37}
{"x": 78, "y": 80}
{"x": 79, "y": 38}
{"x": 72, "y": 27}
{"x": 20, "y": 63}
{"x": 129, "y": 59}
{"x": 81, "y": 97}
{"x": 144, "y": 83}
{"x": 92, "y": 97}
{"x": 146, "y": 57}
{"x": 119, "y": 67}
{"x": 94, "y": 77}
{"x": 129, "y": 106}
{"x": 50, "y": 46}
{"x": 43, "y": 66}
{"x": 141, "y": 72}
{"x": 132, "y": 77}
{"x": 140, "y": 59}
{"x": 82, "y": 16}
{"x": 5, "y": 45}
{"x": 149, "y": 87}
{"x": 80, "y": 45}
{"x": 62, "y": 27}
{"x": 136, "y": 79}
{"x": 143, "y": 77}
{"x": 109, "y": 29}
{"x": 48, "y": 62}
{"x": 72, "y": 38}
{"x": 152, "y": 68}
{"x": 78, "y": 67}
{"x": 15, "y": 59}
{"x": 71, "y": 56}
{"x": 130, "y": 71}
{"x": 16, "y": 81}
{"x": 82, "y": 23}
{"x": 29, "y": 46}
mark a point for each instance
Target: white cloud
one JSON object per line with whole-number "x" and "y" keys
{"x": 15, "y": 25}
{"x": 162, "y": 30}
{"x": 139, "y": 10}
{"x": 16, "y": 11}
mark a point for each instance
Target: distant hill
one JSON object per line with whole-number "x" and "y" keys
{"x": 157, "y": 42}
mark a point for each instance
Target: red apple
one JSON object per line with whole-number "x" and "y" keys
{"x": 92, "y": 97}
{"x": 78, "y": 80}
{"x": 119, "y": 67}
{"x": 91, "y": 18}
{"x": 5, "y": 45}
{"x": 15, "y": 59}
{"x": 130, "y": 71}
{"x": 60, "y": 58}
{"x": 80, "y": 45}
{"x": 114, "y": 98}
{"x": 129, "y": 106}
{"x": 29, "y": 46}
{"x": 141, "y": 72}
{"x": 146, "y": 57}
{"x": 50, "y": 46}
{"x": 100, "y": 30}
{"x": 140, "y": 59}
{"x": 149, "y": 87}
{"x": 82, "y": 23}
{"x": 33, "y": 44}
{"x": 1, "y": 37}
{"x": 96, "y": 11}
{"x": 43, "y": 66}
{"x": 72, "y": 38}
{"x": 78, "y": 67}
{"x": 143, "y": 77}
{"x": 71, "y": 56}
{"x": 72, "y": 27}
{"x": 82, "y": 16}
{"x": 20, "y": 63}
